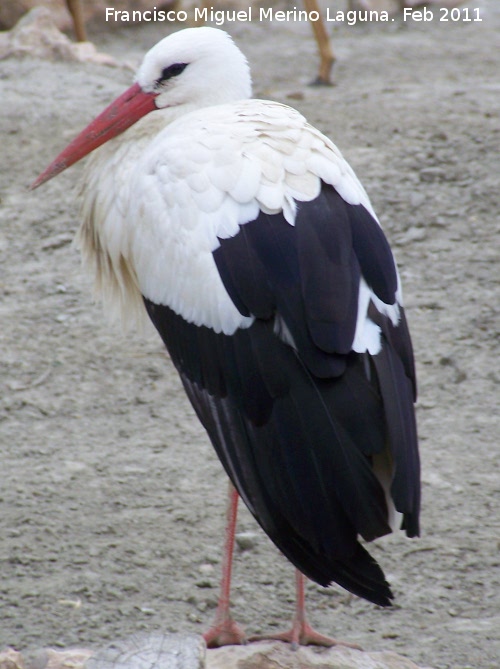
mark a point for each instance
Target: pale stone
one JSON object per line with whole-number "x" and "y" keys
{"x": 162, "y": 651}
{"x": 12, "y": 11}
{"x": 278, "y": 655}
{"x": 11, "y": 659}
{"x": 73, "y": 658}
{"x": 37, "y": 36}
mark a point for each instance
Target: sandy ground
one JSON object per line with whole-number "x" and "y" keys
{"x": 112, "y": 501}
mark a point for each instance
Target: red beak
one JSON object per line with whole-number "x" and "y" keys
{"x": 115, "y": 119}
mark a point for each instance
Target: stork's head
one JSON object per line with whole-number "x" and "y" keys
{"x": 196, "y": 67}
{"x": 199, "y": 66}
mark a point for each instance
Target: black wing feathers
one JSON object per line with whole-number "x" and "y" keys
{"x": 295, "y": 416}
{"x": 300, "y": 472}
{"x": 329, "y": 273}
{"x": 373, "y": 253}
{"x": 397, "y": 396}
{"x": 244, "y": 276}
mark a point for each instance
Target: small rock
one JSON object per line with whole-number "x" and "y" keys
{"x": 439, "y": 136}
{"x": 417, "y": 199}
{"x": 204, "y": 582}
{"x": 432, "y": 174}
{"x": 246, "y": 540}
{"x": 57, "y": 242}
{"x": 413, "y": 235}
{"x": 206, "y": 569}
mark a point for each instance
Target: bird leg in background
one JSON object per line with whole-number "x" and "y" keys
{"x": 225, "y": 631}
{"x": 324, "y": 46}
{"x": 76, "y": 11}
{"x": 301, "y": 633}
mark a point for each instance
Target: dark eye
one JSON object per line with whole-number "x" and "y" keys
{"x": 172, "y": 71}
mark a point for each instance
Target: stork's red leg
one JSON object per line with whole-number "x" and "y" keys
{"x": 225, "y": 631}
{"x": 301, "y": 633}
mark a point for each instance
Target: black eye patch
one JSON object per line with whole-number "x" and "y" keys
{"x": 172, "y": 71}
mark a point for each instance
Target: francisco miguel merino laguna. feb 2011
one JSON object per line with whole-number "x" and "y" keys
{"x": 262, "y": 14}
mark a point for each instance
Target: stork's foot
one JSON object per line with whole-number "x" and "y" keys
{"x": 225, "y": 632}
{"x": 302, "y": 634}
{"x": 321, "y": 81}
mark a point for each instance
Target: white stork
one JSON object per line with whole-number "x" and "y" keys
{"x": 248, "y": 240}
